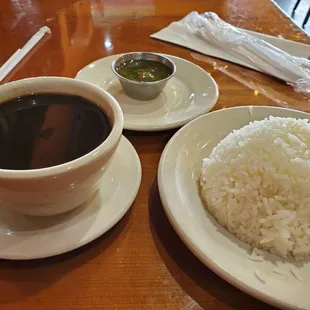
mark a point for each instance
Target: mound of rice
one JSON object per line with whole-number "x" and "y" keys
{"x": 256, "y": 183}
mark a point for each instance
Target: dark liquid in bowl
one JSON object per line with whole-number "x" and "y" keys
{"x": 44, "y": 130}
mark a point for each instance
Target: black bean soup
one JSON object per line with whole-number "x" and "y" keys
{"x": 44, "y": 130}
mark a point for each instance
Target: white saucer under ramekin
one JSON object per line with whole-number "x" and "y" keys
{"x": 190, "y": 93}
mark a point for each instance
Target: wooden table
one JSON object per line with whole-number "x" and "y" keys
{"x": 140, "y": 263}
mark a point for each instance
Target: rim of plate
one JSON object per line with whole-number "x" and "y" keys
{"x": 172, "y": 125}
{"x": 187, "y": 238}
{"x": 117, "y": 217}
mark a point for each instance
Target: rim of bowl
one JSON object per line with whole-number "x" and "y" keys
{"x": 106, "y": 146}
{"x": 143, "y": 83}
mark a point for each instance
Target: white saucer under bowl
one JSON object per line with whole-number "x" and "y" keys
{"x": 191, "y": 92}
{"x": 27, "y": 237}
{"x": 178, "y": 176}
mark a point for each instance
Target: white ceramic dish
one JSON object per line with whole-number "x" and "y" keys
{"x": 27, "y": 237}
{"x": 60, "y": 188}
{"x": 178, "y": 174}
{"x": 189, "y": 93}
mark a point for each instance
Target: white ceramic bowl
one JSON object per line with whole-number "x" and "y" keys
{"x": 59, "y": 188}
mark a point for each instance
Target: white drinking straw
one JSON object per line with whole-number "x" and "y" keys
{"x": 13, "y": 61}
{"x": 9, "y": 61}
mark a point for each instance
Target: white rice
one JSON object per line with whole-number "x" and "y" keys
{"x": 256, "y": 255}
{"x": 280, "y": 271}
{"x": 256, "y": 183}
{"x": 260, "y": 275}
{"x": 296, "y": 273}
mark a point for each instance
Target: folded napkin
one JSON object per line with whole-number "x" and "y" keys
{"x": 210, "y": 35}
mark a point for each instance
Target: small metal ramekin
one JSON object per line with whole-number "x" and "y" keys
{"x": 143, "y": 90}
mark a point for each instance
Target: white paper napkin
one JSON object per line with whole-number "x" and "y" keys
{"x": 208, "y": 34}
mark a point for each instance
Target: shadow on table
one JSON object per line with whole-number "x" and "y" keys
{"x": 196, "y": 280}
{"x": 20, "y": 279}
{"x": 149, "y": 142}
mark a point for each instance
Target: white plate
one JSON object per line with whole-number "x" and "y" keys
{"x": 26, "y": 237}
{"x": 178, "y": 174}
{"x": 190, "y": 93}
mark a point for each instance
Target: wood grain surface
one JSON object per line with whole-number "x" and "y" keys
{"x": 140, "y": 263}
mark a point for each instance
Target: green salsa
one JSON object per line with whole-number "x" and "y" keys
{"x": 142, "y": 70}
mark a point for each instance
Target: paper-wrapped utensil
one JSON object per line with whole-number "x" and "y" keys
{"x": 208, "y": 31}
